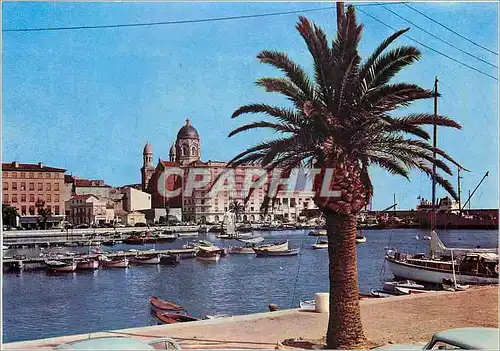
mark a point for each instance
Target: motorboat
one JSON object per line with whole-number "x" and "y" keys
{"x": 169, "y": 259}
{"x": 60, "y": 266}
{"x": 119, "y": 262}
{"x": 87, "y": 264}
{"x": 167, "y": 235}
{"x": 289, "y": 252}
{"x": 146, "y": 259}
{"x": 308, "y": 305}
{"x": 320, "y": 244}
{"x": 360, "y": 239}
{"x": 211, "y": 253}
{"x": 246, "y": 249}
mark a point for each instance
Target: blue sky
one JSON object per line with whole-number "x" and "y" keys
{"x": 88, "y": 100}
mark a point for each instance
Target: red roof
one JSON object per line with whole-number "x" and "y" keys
{"x": 169, "y": 164}
{"x": 15, "y": 166}
{"x": 90, "y": 183}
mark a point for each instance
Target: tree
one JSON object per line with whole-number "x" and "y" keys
{"x": 341, "y": 120}
{"x": 9, "y": 215}
{"x": 237, "y": 207}
{"x": 44, "y": 213}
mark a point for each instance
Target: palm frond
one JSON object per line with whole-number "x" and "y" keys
{"x": 281, "y": 128}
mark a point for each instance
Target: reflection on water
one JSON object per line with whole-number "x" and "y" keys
{"x": 41, "y": 305}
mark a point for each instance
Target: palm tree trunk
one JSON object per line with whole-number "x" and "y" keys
{"x": 345, "y": 330}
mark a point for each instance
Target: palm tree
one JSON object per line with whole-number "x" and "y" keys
{"x": 237, "y": 207}
{"x": 341, "y": 120}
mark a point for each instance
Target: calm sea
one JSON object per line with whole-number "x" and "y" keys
{"x": 37, "y": 305}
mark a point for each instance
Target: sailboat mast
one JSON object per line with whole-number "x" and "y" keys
{"x": 434, "y": 145}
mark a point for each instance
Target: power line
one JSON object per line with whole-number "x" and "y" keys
{"x": 451, "y": 30}
{"x": 214, "y": 19}
{"x": 430, "y": 48}
{"x": 438, "y": 38}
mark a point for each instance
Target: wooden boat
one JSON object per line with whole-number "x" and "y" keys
{"x": 87, "y": 264}
{"x": 208, "y": 254}
{"x": 121, "y": 262}
{"x": 59, "y": 266}
{"x": 320, "y": 244}
{"x": 279, "y": 246}
{"x": 164, "y": 305}
{"x": 247, "y": 249}
{"x": 289, "y": 252}
{"x": 169, "y": 259}
{"x": 146, "y": 259}
{"x": 171, "y": 318}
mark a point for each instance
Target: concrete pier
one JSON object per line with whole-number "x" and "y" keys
{"x": 404, "y": 319}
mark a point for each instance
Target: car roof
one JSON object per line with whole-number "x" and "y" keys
{"x": 106, "y": 343}
{"x": 470, "y": 338}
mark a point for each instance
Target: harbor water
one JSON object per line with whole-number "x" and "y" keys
{"x": 40, "y": 305}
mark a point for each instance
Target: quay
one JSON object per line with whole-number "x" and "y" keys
{"x": 410, "y": 319}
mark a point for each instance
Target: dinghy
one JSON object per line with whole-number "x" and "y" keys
{"x": 59, "y": 266}
{"x": 171, "y": 318}
{"x": 289, "y": 252}
{"x": 163, "y": 305}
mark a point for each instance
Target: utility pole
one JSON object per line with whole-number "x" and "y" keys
{"x": 340, "y": 13}
{"x": 434, "y": 145}
{"x": 459, "y": 190}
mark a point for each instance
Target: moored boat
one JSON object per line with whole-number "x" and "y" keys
{"x": 146, "y": 259}
{"x": 208, "y": 254}
{"x": 321, "y": 232}
{"x": 247, "y": 249}
{"x": 171, "y": 318}
{"x": 164, "y": 305}
{"x": 59, "y": 266}
{"x": 308, "y": 305}
{"x": 167, "y": 235}
{"x": 320, "y": 244}
{"x": 169, "y": 259}
{"x": 360, "y": 239}
{"x": 289, "y": 252}
{"x": 119, "y": 262}
{"x": 279, "y": 246}
{"x": 87, "y": 264}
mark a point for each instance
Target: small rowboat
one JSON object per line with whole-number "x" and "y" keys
{"x": 379, "y": 293}
{"x": 320, "y": 244}
{"x": 360, "y": 239}
{"x": 171, "y": 318}
{"x": 164, "y": 305}
{"x": 289, "y": 252}
{"x": 116, "y": 262}
{"x": 58, "y": 266}
{"x": 87, "y": 264}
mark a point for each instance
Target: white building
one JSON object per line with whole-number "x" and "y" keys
{"x": 135, "y": 200}
{"x": 89, "y": 209}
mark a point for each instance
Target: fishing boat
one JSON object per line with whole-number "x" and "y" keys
{"x": 59, "y": 266}
{"x": 169, "y": 259}
{"x": 279, "y": 246}
{"x": 320, "y": 244}
{"x": 289, "y": 252}
{"x": 119, "y": 262}
{"x": 208, "y": 253}
{"x": 87, "y": 264}
{"x": 247, "y": 249}
{"x": 171, "y": 318}
{"x": 146, "y": 259}
{"x": 163, "y": 305}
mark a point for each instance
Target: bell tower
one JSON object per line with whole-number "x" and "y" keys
{"x": 147, "y": 169}
{"x": 187, "y": 145}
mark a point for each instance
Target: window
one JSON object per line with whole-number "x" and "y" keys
{"x": 23, "y": 210}
{"x": 5, "y": 186}
{"x": 47, "y": 175}
{"x": 14, "y": 198}
{"x": 22, "y": 175}
{"x": 30, "y": 175}
{"x": 48, "y": 187}
{"x": 23, "y": 186}
{"x": 37, "y": 175}
{"x": 49, "y": 208}
{"x": 5, "y": 174}
{"x": 14, "y": 174}
{"x": 56, "y": 210}
{"x": 32, "y": 186}
{"x": 14, "y": 186}
{"x": 6, "y": 198}
{"x": 40, "y": 186}
{"x": 32, "y": 210}
{"x": 32, "y": 197}
{"x": 56, "y": 197}
{"x": 56, "y": 186}
{"x": 49, "y": 198}
{"x": 23, "y": 197}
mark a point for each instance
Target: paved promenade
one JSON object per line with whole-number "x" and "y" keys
{"x": 405, "y": 319}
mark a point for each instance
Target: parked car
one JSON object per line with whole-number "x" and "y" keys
{"x": 82, "y": 226}
{"x": 140, "y": 224}
{"x": 460, "y": 338}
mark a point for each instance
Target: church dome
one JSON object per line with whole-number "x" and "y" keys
{"x": 188, "y": 132}
{"x": 148, "y": 149}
